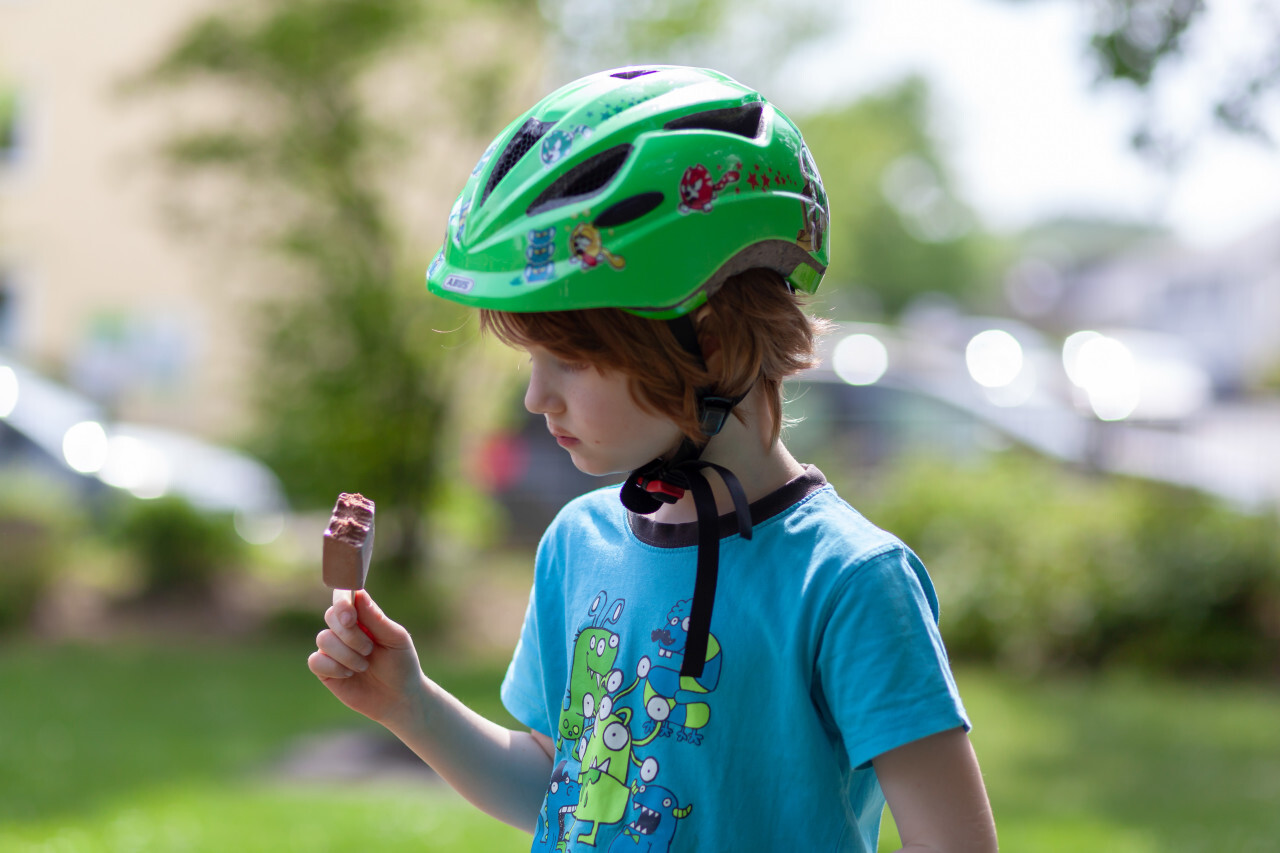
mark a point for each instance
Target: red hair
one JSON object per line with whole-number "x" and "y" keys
{"x": 762, "y": 334}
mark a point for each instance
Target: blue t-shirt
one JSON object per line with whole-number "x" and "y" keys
{"x": 824, "y": 654}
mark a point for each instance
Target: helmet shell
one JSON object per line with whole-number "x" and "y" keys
{"x": 640, "y": 188}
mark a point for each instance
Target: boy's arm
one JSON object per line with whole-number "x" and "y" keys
{"x": 370, "y": 664}
{"x": 936, "y": 795}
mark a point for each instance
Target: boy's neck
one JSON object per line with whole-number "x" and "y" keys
{"x": 744, "y": 449}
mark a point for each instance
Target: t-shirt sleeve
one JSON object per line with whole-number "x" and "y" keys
{"x": 524, "y": 687}
{"x": 884, "y": 673}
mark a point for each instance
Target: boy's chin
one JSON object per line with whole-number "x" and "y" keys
{"x": 601, "y": 468}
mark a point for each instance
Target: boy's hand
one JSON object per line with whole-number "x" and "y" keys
{"x": 367, "y": 660}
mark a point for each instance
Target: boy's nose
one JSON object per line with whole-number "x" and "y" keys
{"x": 539, "y": 398}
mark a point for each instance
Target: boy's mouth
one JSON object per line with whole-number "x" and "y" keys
{"x": 563, "y": 439}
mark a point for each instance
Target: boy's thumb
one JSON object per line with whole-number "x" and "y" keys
{"x": 375, "y": 623}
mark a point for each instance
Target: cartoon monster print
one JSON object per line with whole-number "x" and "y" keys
{"x": 458, "y": 219}
{"x": 539, "y": 253}
{"x": 556, "y": 144}
{"x": 561, "y": 801}
{"x": 698, "y": 190}
{"x": 606, "y": 756}
{"x": 814, "y": 229}
{"x": 589, "y": 250}
{"x": 669, "y": 697}
{"x": 654, "y": 826}
{"x": 484, "y": 159}
{"x": 595, "y": 650}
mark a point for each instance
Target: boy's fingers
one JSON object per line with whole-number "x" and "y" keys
{"x": 323, "y": 666}
{"x": 342, "y": 623}
{"x": 338, "y": 650}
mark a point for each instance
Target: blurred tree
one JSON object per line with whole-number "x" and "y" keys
{"x": 354, "y": 387}
{"x": 898, "y": 228}
{"x": 748, "y": 39}
{"x": 1227, "y": 55}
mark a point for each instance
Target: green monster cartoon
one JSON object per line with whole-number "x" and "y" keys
{"x": 607, "y": 756}
{"x": 594, "y": 651}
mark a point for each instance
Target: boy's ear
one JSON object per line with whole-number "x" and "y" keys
{"x": 708, "y": 341}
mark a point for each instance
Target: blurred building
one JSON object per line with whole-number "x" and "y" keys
{"x": 94, "y": 287}
{"x": 1223, "y": 303}
{"x": 104, "y": 285}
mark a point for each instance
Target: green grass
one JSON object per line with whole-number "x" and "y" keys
{"x": 169, "y": 749}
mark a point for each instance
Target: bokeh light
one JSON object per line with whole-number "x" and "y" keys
{"x": 860, "y": 359}
{"x": 84, "y": 447}
{"x": 994, "y": 358}
{"x": 8, "y": 390}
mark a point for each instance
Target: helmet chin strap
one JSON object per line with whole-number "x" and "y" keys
{"x": 665, "y": 481}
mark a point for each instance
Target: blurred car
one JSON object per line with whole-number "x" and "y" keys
{"x": 1143, "y": 410}
{"x": 979, "y": 384}
{"x": 53, "y": 432}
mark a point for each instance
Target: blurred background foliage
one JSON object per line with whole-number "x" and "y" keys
{"x": 1040, "y": 567}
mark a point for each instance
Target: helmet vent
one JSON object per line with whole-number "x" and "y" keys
{"x": 585, "y": 179}
{"x": 526, "y": 137}
{"x": 628, "y": 210}
{"x": 742, "y": 121}
{"x": 633, "y": 73}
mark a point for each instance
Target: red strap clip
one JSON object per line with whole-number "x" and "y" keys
{"x": 663, "y": 491}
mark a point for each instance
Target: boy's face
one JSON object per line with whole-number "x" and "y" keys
{"x": 593, "y": 416}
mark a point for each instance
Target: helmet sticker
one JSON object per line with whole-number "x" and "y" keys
{"x": 458, "y": 284}
{"x": 763, "y": 180}
{"x": 613, "y": 108}
{"x": 588, "y": 248}
{"x": 484, "y": 159}
{"x": 539, "y": 254}
{"x": 436, "y": 263}
{"x": 698, "y": 190}
{"x": 556, "y": 144}
{"x": 458, "y": 219}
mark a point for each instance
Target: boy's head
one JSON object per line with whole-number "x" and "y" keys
{"x": 753, "y": 324}
{"x": 643, "y": 195}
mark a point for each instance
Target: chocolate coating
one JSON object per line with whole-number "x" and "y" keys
{"x": 348, "y": 542}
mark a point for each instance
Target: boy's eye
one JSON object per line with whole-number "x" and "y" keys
{"x": 572, "y": 366}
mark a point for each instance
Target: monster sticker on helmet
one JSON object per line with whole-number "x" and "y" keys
{"x": 698, "y": 190}
{"x": 556, "y": 144}
{"x": 588, "y": 248}
{"x": 541, "y": 255}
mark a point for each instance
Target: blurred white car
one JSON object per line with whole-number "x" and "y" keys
{"x": 60, "y": 433}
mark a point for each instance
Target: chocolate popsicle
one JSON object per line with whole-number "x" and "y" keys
{"x": 348, "y": 543}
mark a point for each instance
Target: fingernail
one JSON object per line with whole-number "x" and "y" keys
{"x": 347, "y": 618}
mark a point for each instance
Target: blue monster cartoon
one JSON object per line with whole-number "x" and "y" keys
{"x": 556, "y": 144}
{"x": 669, "y": 697}
{"x": 539, "y": 253}
{"x": 562, "y": 800}
{"x": 654, "y": 826}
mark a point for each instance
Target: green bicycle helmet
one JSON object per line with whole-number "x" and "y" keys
{"x": 641, "y": 188}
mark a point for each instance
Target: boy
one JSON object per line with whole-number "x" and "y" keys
{"x": 722, "y": 654}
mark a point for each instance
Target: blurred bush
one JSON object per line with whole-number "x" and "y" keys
{"x": 35, "y": 528}
{"x": 1038, "y": 566}
{"x": 178, "y": 549}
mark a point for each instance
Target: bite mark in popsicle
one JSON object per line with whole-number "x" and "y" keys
{"x": 348, "y": 542}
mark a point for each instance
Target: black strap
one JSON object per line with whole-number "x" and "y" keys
{"x": 708, "y": 566}
{"x": 687, "y": 473}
